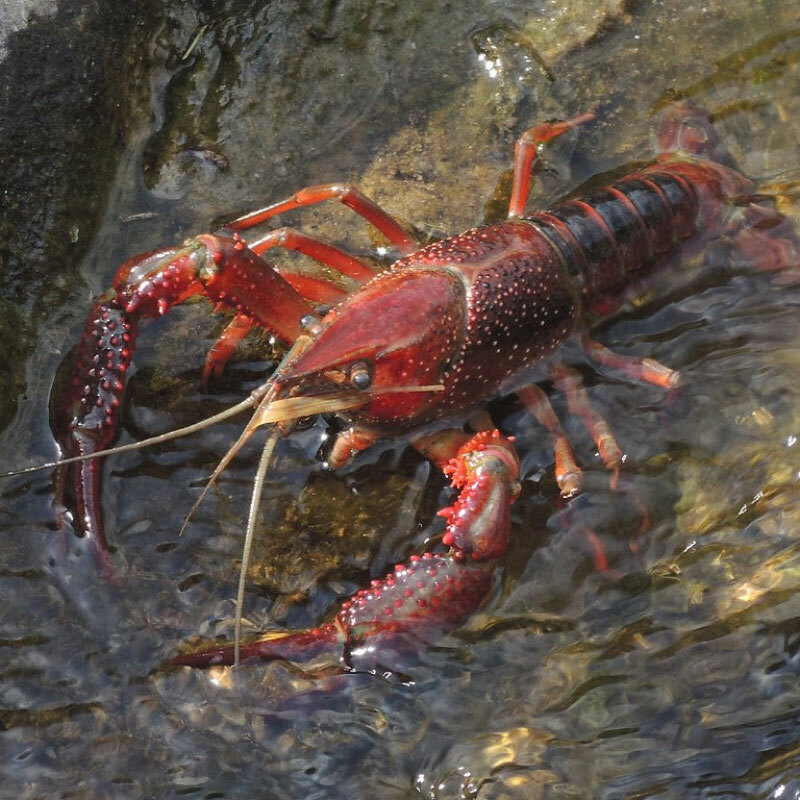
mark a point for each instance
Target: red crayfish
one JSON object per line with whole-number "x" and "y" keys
{"x": 417, "y": 351}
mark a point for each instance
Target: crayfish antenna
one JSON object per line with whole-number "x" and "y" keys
{"x": 253, "y": 400}
{"x": 255, "y": 502}
{"x": 230, "y": 454}
{"x": 264, "y": 397}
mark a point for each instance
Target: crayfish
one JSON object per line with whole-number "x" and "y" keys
{"x": 418, "y": 350}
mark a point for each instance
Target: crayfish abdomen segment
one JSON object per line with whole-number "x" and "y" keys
{"x": 619, "y": 230}
{"x": 611, "y": 233}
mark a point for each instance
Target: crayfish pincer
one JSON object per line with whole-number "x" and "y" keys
{"x": 418, "y": 350}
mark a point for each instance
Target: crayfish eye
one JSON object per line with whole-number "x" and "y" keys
{"x": 360, "y": 377}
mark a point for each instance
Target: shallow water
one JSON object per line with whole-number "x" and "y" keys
{"x": 673, "y": 675}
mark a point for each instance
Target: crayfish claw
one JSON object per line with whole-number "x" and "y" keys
{"x": 298, "y": 646}
{"x": 486, "y": 472}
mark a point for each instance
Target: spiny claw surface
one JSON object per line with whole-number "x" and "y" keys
{"x": 428, "y": 595}
{"x": 415, "y": 603}
{"x": 486, "y": 471}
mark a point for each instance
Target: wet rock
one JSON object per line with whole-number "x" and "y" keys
{"x": 17, "y": 15}
{"x": 62, "y": 106}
